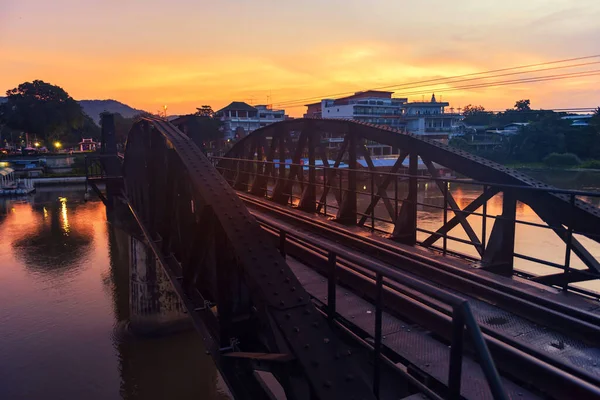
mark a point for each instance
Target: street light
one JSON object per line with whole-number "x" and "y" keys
{"x": 58, "y": 145}
{"x": 37, "y": 144}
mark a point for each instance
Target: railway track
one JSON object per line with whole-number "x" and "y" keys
{"x": 540, "y": 338}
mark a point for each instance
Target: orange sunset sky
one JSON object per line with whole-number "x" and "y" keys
{"x": 186, "y": 53}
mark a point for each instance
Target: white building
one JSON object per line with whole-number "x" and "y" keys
{"x": 372, "y": 106}
{"x": 429, "y": 118}
{"x": 379, "y": 107}
{"x": 266, "y": 115}
{"x": 239, "y": 118}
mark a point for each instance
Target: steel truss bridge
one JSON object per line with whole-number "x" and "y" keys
{"x": 308, "y": 273}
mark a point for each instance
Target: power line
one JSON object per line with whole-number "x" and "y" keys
{"x": 510, "y": 82}
{"x": 294, "y": 101}
{"x": 497, "y": 83}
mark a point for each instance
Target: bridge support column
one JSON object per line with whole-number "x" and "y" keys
{"x": 405, "y": 229}
{"x": 499, "y": 254}
{"x": 110, "y": 165}
{"x": 155, "y": 309}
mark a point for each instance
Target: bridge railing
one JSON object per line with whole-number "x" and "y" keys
{"x": 383, "y": 277}
{"x": 492, "y": 215}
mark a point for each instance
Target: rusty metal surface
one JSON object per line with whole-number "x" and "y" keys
{"x": 465, "y": 163}
{"x": 272, "y": 287}
{"x": 560, "y": 349}
{"x": 406, "y": 340}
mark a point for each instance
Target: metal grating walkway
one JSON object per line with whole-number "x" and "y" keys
{"x": 417, "y": 346}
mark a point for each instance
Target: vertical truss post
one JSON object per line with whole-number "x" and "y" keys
{"x": 259, "y": 186}
{"x": 347, "y": 211}
{"x": 280, "y": 186}
{"x": 308, "y": 201}
{"x": 499, "y": 255}
{"x": 405, "y": 229}
{"x": 242, "y": 181}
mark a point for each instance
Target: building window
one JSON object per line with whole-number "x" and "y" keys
{"x": 338, "y": 110}
{"x": 262, "y": 116}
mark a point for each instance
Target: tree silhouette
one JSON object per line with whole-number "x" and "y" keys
{"x": 523, "y": 105}
{"x": 42, "y": 109}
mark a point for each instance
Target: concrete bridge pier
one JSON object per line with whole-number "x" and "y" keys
{"x": 154, "y": 306}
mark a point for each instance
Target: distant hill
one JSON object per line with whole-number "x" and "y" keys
{"x": 94, "y": 108}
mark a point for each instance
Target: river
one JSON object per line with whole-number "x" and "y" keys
{"x": 64, "y": 307}
{"x": 63, "y": 311}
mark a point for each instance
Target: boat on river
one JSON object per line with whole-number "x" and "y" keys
{"x": 9, "y": 186}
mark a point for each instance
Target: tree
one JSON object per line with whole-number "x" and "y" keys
{"x": 523, "y": 105}
{"x": 205, "y": 111}
{"x": 42, "y": 109}
{"x": 539, "y": 139}
{"x": 476, "y": 115}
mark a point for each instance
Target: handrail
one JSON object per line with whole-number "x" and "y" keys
{"x": 547, "y": 188}
{"x": 462, "y": 316}
{"x": 332, "y": 182}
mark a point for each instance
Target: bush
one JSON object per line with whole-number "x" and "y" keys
{"x": 562, "y": 160}
{"x": 591, "y": 164}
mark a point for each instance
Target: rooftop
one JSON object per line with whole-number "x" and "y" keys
{"x": 237, "y": 106}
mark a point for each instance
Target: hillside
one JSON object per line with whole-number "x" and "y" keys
{"x": 94, "y": 108}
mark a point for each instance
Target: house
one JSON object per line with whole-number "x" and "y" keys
{"x": 429, "y": 118}
{"x": 578, "y": 120}
{"x": 239, "y": 118}
{"x": 88, "y": 145}
{"x": 508, "y": 130}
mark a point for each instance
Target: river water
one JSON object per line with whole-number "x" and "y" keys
{"x": 63, "y": 311}
{"x": 64, "y": 304}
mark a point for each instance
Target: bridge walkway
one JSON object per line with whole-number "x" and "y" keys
{"x": 510, "y": 335}
{"x": 427, "y": 356}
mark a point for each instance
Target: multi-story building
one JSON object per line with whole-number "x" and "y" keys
{"x": 371, "y": 106}
{"x": 428, "y": 118}
{"x": 379, "y": 107}
{"x": 266, "y": 115}
{"x": 239, "y": 118}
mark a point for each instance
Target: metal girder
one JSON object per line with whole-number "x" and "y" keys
{"x": 232, "y": 279}
{"x": 347, "y": 211}
{"x": 499, "y": 255}
{"x": 381, "y": 186}
{"x": 454, "y": 205}
{"x": 405, "y": 228}
{"x": 470, "y": 208}
{"x": 331, "y": 174}
{"x": 586, "y": 217}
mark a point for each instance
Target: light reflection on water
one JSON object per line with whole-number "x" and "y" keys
{"x": 64, "y": 307}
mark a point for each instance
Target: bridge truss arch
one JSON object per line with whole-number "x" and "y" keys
{"x": 250, "y": 307}
{"x": 317, "y": 149}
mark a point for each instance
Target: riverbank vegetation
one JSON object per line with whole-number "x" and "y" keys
{"x": 544, "y": 138}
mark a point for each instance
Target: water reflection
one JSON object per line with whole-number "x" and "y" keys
{"x": 48, "y": 244}
{"x": 65, "y": 295}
